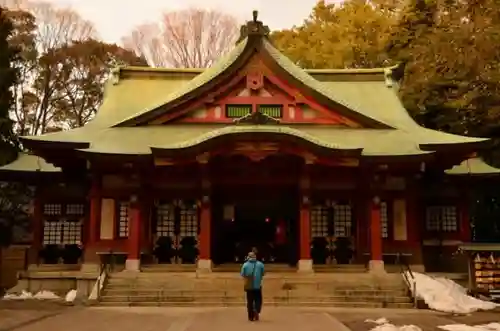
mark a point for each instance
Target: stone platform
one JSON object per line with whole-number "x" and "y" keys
{"x": 279, "y": 289}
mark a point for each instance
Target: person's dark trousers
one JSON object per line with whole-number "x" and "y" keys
{"x": 254, "y": 303}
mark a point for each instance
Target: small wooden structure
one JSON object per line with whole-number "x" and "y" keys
{"x": 484, "y": 268}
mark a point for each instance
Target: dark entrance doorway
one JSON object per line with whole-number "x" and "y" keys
{"x": 262, "y": 217}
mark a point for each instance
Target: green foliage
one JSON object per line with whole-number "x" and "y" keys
{"x": 8, "y": 78}
{"x": 15, "y": 199}
{"x": 451, "y": 63}
{"x": 350, "y": 35}
{"x": 62, "y": 68}
{"x": 78, "y": 71}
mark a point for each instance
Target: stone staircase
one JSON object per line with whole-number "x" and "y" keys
{"x": 279, "y": 289}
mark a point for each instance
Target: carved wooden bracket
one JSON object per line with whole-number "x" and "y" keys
{"x": 256, "y": 118}
{"x": 203, "y": 158}
{"x": 255, "y": 80}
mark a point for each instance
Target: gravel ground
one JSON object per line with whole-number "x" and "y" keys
{"x": 426, "y": 320}
{"x": 15, "y": 314}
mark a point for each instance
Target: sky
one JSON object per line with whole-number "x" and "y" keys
{"x": 116, "y": 18}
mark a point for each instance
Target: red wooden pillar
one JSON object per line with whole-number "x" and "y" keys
{"x": 134, "y": 235}
{"x": 146, "y": 223}
{"x": 464, "y": 211}
{"x": 92, "y": 228}
{"x": 305, "y": 229}
{"x": 305, "y": 262}
{"x": 414, "y": 219}
{"x": 375, "y": 230}
{"x": 37, "y": 220}
{"x": 204, "y": 239}
{"x": 205, "y": 228}
{"x": 94, "y": 224}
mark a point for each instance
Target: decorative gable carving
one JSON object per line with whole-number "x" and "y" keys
{"x": 255, "y": 80}
{"x": 254, "y": 89}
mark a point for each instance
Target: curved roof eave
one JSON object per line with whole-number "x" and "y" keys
{"x": 243, "y": 129}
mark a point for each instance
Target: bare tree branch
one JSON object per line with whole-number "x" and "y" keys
{"x": 191, "y": 38}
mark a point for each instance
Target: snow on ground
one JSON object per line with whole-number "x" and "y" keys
{"x": 42, "y": 295}
{"x": 382, "y": 324}
{"x": 445, "y": 295}
{"x": 463, "y": 327}
{"x": 70, "y": 296}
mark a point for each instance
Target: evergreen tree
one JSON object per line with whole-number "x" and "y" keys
{"x": 8, "y": 78}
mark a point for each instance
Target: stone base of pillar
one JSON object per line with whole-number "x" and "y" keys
{"x": 133, "y": 265}
{"x": 204, "y": 265}
{"x": 89, "y": 267}
{"x": 376, "y": 267}
{"x": 417, "y": 268}
{"x": 305, "y": 266}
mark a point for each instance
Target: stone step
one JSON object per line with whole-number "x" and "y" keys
{"x": 268, "y": 303}
{"x": 214, "y": 298}
{"x": 267, "y": 287}
{"x": 290, "y": 293}
{"x": 156, "y": 268}
{"x": 340, "y": 282}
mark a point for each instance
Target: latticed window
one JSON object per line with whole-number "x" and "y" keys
{"x": 123, "y": 219}
{"x": 237, "y": 111}
{"x": 71, "y": 232}
{"x": 52, "y": 232}
{"x": 342, "y": 224}
{"x": 52, "y": 223}
{"x": 441, "y": 218}
{"x": 52, "y": 209}
{"x": 76, "y": 209}
{"x": 384, "y": 219}
{"x": 319, "y": 221}
{"x": 72, "y": 225}
{"x": 188, "y": 226}
{"x": 165, "y": 220}
{"x": 63, "y": 223}
{"x": 275, "y": 111}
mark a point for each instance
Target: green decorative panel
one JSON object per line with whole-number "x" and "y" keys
{"x": 237, "y": 111}
{"x": 275, "y": 111}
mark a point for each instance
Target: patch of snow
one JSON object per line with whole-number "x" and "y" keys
{"x": 444, "y": 295}
{"x": 384, "y": 325}
{"x": 46, "y": 295}
{"x": 379, "y": 321}
{"x": 70, "y": 296}
{"x": 464, "y": 327}
{"x": 25, "y": 295}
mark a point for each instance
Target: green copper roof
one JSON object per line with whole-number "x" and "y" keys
{"x": 28, "y": 163}
{"x": 474, "y": 166}
{"x": 140, "y": 140}
{"x": 206, "y": 76}
{"x": 138, "y": 91}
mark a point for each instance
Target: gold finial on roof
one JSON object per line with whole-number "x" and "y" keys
{"x": 253, "y": 28}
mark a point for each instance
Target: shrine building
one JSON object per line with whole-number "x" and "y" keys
{"x": 197, "y": 166}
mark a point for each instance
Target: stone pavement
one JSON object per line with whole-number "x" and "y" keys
{"x": 181, "y": 319}
{"x": 219, "y": 319}
{"x": 425, "y": 319}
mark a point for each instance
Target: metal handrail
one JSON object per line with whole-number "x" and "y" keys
{"x": 104, "y": 269}
{"x": 408, "y": 277}
{"x": 103, "y": 275}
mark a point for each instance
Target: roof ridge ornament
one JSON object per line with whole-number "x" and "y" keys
{"x": 389, "y": 81}
{"x": 115, "y": 74}
{"x": 256, "y": 118}
{"x": 253, "y": 28}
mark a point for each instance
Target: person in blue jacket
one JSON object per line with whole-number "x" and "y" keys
{"x": 253, "y": 271}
